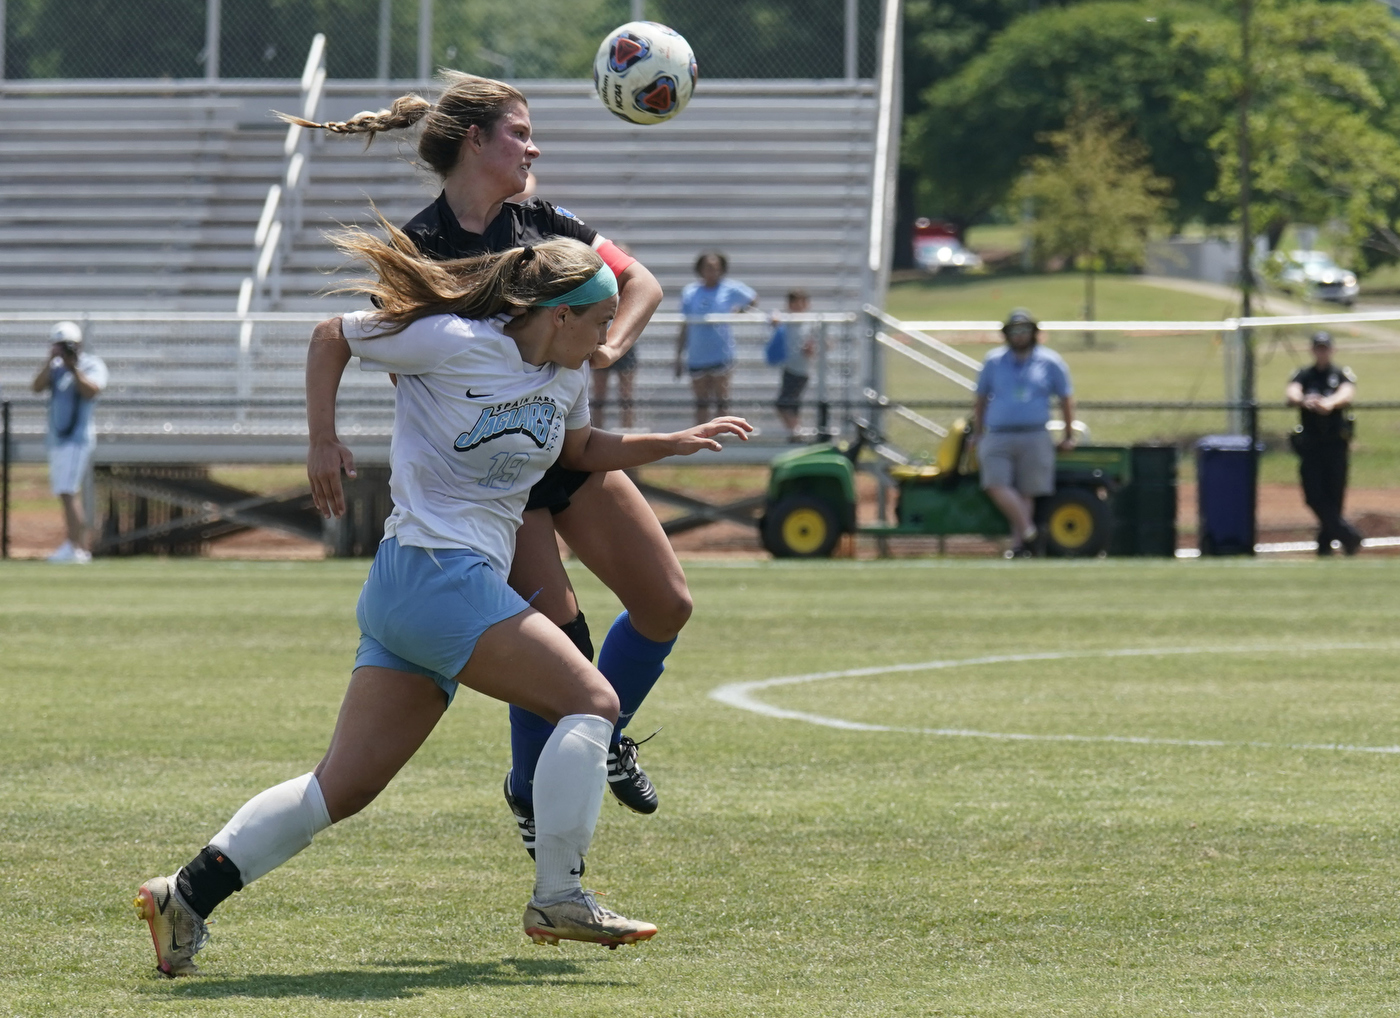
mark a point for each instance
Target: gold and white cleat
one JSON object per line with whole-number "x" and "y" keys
{"x": 582, "y": 918}
{"x": 177, "y": 932}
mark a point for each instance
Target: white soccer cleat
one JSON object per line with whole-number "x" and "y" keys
{"x": 176, "y": 930}
{"x": 65, "y": 553}
{"x": 582, "y": 918}
{"x": 81, "y": 557}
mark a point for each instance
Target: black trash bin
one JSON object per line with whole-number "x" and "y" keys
{"x": 1227, "y": 468}
{"x": 1144, "y": 510}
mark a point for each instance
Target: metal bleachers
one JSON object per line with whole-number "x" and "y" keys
{"x": 133, "y": 206}
{"x": 145, "y": 196}
{"x": 214, "y": 388}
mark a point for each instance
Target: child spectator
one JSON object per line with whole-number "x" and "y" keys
{"x": 707, "y": 349}
{"x": 794, "y": 347}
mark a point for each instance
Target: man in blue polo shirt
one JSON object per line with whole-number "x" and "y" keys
{"x": 1015, "y": 449}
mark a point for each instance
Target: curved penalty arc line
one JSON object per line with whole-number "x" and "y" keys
{"x": 740, "y": 695}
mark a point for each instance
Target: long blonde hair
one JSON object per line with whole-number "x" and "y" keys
{"x": 466, "y": 100}
{"x": 409, "y": 286}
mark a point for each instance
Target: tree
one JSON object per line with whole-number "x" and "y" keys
{"x": 1324, "y": 117}
{"x": 1094, "y": 197}
{"x": 970, "y": 142}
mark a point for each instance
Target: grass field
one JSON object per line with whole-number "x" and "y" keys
{"x": 1151, "y": 368}
{"x": 794, "y": 868}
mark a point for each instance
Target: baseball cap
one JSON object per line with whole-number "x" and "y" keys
{"x": 1020, "y": 316}
{"x": 1322, "y": 338}
{"x": 66, "y": 332}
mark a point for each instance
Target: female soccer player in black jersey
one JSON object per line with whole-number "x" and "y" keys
{"x": 477, "y": 138}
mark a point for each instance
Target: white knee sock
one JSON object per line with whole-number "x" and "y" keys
{"x": 273, "y": 826}
{"x": 569, "y": 782}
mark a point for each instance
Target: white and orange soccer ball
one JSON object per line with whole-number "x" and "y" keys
{"x": 644, "y": 72}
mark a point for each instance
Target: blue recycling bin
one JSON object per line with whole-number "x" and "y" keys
{"x": 1227, "y": 468}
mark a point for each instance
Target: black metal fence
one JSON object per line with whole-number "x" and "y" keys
{"x": 410, "y": 39}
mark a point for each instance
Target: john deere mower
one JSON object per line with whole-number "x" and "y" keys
{"x": 1096, "y": 508}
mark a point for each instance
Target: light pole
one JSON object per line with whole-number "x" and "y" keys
{"x": 1246, "y": 336}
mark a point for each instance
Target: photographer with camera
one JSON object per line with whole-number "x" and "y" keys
{"x": 73, "y": 379}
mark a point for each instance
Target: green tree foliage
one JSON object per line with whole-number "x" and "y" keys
{"x": 940, "y": 36}
{"x": 971, "y": 140}
{"x": 1094, "y": 197}
{"x": 1324, "y": 116}
{"x": 1325, "y": 123}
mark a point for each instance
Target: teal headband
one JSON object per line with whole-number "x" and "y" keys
{"x": 601, "y": 286}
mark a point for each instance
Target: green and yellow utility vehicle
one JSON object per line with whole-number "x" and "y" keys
{"x": 1098, "y": 507}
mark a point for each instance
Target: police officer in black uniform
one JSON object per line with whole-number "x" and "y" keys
{"x": 1323, "y": 393}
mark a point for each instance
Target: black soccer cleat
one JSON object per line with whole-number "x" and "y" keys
{"x": 629, "y": 783}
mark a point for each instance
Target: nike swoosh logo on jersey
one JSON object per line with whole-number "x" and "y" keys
{"x": 477, "y": 395}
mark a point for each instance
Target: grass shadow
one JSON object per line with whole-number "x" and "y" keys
{"x": 389, "y": 980}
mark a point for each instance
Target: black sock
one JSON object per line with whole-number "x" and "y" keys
{"x": 577, "y": 630}
{"x": 208, "y": 879}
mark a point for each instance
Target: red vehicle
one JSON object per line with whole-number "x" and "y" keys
{"x": 937, "y": 247}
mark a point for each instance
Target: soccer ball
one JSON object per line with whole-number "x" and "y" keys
{"x": 644, "y": 72}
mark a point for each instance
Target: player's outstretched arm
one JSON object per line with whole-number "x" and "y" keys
{"x": 326, "y": 358}
{"x": 590, "y": 450}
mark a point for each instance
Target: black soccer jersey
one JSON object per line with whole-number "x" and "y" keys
{"x": 436, "y": 232}
{"x": 1324, "y": 382}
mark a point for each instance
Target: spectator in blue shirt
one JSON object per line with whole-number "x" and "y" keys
{"x": 1014, "y": 447}
{"x": 707, "y": 349}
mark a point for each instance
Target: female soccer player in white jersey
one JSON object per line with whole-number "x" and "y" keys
{"x": 485, "y": 404}
{"x": 477, "y": 138}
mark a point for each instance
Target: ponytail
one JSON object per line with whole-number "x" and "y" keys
{"x": 406, "y": 111}
{"x": 466, "y": 101}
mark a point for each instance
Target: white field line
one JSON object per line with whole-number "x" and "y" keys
{"x": 740, "y": 695}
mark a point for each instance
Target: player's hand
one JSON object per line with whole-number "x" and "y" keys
{"x": 703, "y": 436}
{"x": 1066, "y": 444}
{"x": 324, "y": 462}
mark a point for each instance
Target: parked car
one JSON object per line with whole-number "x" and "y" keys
{"x": 936, "y": 248}
{"x": 1315, "y": 275}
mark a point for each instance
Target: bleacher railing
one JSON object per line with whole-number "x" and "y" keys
{"x": 191, "y": 387}
{"x": 282, "y": 209}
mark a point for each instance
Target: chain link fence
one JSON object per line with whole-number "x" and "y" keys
{"x": 401, "y": 39}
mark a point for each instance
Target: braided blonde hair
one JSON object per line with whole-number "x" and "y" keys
{"x": 466, "y": 100}
{"x": 409, "y": 286}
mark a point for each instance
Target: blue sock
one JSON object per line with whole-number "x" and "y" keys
{"x": 629, "y": 661}
{"x": 528, "y": 734}
{"x": 632, "y": 663}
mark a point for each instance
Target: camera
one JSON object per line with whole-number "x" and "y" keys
{"x": 67, "y": 348}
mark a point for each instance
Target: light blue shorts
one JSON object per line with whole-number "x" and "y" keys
{"x": 422, "y": 610}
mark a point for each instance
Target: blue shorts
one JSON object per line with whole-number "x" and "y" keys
{"x": 422, "y": 610}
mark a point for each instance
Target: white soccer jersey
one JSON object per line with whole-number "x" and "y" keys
{"x": 474, "y": 428}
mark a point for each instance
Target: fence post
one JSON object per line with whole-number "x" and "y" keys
{"x": 425, "y": 39}
{"x": 213, "y": 38}
{"x": 4, "y": 475}
{"x": 823, "y": 400}
{"x": 852, "y": 37}
{"x": 385, "y": 27}
{"x": 2, "y": 40}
